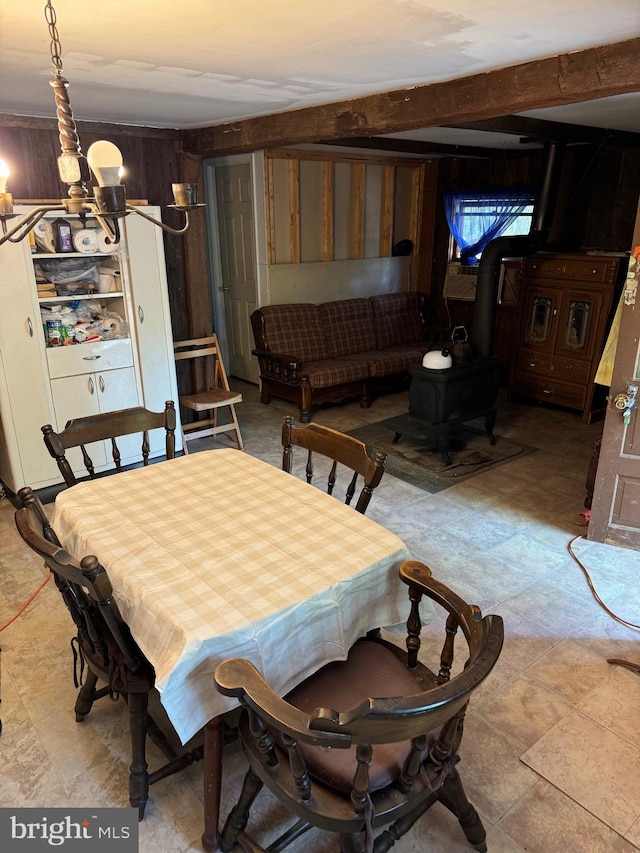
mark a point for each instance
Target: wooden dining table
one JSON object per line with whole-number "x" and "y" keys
{"x": 219, "y": 554}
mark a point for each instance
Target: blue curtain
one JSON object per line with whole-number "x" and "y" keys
{"x": 506, "y": 207}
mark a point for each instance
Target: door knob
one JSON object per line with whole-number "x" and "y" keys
{"x": 621, "y": 401}
{"x": 625, "y": 402}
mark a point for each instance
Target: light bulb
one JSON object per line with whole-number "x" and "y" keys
{"x": 105, "y": 160}
{"x": 4, "y": 174}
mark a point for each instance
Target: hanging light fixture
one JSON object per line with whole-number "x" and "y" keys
{"x": 109, "y": 202}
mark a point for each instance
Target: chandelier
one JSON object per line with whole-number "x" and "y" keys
{"x": 109, "y": 202}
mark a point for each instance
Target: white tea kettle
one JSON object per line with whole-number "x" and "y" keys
{"x": 437, "y": 359}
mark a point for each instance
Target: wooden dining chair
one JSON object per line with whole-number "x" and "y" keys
{"x": 104, "y": 650}
{"x": 365, "y": 746}
{"x": 109, "y": 426}
{"x": 342, "y": 450}
{"x": 216, "y": 396}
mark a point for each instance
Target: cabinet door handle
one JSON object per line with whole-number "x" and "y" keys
{"x": 548, "y": 391}
{"x": 91, "y": 357}
{"x": 92, "y": 387}
{"x": 30, "y": 327}
{"x": 140, "y": 313}
{"x": 101, "y": 384}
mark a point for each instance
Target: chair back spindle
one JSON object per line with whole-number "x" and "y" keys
{"x": 343, "y": 451}
{"x": 108, "y": 427}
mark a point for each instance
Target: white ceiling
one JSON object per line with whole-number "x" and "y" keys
{"x": 199, "y": 63}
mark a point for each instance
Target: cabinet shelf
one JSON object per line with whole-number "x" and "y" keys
{"x": 112, "y": 294}
{"x": 50, "y": 256}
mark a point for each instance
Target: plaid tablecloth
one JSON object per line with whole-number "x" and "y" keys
{"x": 218, "y": 554}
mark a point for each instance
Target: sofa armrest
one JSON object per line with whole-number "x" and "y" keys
{"x": 283, "y": 368}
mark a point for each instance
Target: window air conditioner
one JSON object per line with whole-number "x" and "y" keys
{"x": 460, "y": 282}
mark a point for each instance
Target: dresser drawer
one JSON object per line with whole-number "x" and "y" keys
{"x": 89, "y": 358}
{"x": 561, "y": 393}
{"x": 539, "y": 364}
{"x": 570, "y": 370}
{"x": 597, "y": 270}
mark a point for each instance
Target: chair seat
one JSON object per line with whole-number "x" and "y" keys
{"x": 370, "y": 670}
{"x": 210, "y": 399}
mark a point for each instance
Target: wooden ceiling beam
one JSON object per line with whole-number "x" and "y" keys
{"x": 584, "y": 75}
{"x": 553, "y": 131}
{"x": 425, "y": 149}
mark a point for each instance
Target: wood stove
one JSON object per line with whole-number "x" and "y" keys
{"x": 442, "y": 398}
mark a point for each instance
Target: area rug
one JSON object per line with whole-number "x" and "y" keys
{"x": 416, "y": 459}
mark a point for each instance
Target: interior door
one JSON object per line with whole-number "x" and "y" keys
{"x": 234, "y": 200}
{"x": 615, "y": 510}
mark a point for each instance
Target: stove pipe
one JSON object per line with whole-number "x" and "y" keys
{"x": 484, "y": 312}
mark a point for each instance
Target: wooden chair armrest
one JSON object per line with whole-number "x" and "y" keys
{"x": 291, "y": 361}
{"x": 238, "y": 677}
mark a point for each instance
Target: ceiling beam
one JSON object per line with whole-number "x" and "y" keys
{"x": 584, "y": 75}
{"x": 551, "y": 131}
{"x": 425, "y": 148}
{"x": 106, "y": 129}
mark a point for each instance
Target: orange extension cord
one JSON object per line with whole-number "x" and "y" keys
{"x": 26, "y": 604}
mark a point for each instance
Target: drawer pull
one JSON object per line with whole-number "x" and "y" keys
{"x": 548, "y": 391}
{"x": 30, "y": 327}
{"x": 533, "y": 362}
{"x": 91, "y": 357}
{"x": 141, "y": 313}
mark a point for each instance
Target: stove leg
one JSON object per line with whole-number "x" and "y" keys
{"x": 396, "y": 437}
{"x": 444, "y": 437}
{"x": 489, "y": 423}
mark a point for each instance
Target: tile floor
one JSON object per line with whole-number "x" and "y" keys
{"x": 551, "y": 750}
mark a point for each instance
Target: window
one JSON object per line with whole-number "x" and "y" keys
{"x": 476, "y": 218}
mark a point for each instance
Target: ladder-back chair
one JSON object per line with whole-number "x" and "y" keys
{"x": 217, "y": 396}
{"x": 341, "y": 449}
{"x": 109, "y": 426}
{"x": 104, "y": 646}
{"x": 364, "y": 747}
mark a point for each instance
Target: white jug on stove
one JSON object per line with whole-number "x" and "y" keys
{"x": 437, "y": 359}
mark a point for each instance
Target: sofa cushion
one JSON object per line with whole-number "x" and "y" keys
{"x": 295, "y": 330}
{"x": 396, "y": 318}
{"x": 328, "y": 372}
{"x": 348, "y": 326}
{"x": 394, "y": 360}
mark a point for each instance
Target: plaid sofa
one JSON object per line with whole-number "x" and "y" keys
{"x": 348, "y": 348}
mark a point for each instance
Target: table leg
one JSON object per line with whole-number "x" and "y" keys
{"x": 212, "y": 784}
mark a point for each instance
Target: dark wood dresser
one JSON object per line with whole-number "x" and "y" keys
{"x": 565, "y": 309}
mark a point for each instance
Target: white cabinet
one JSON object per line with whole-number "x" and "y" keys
{"x": 41, "y": 384}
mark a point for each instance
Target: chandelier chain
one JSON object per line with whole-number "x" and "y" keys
{"x": 55, "y": 47}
